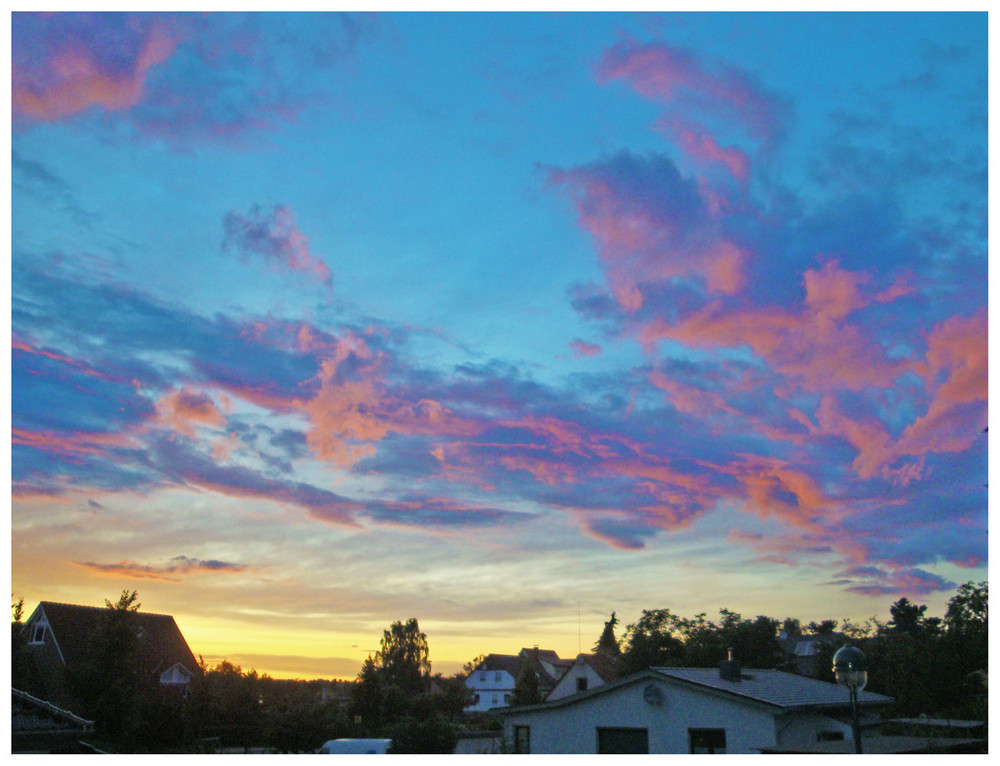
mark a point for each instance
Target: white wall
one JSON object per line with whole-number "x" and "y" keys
{"x": 573, "y": 728}
{"x": 803, "y": 729}
{"x": 492, "y": 686}
{"x": 567, "y": 684}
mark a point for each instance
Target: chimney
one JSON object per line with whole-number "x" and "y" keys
{"x": 729, "y": 670}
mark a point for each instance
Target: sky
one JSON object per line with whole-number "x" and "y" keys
{"x": 500, "y": 321}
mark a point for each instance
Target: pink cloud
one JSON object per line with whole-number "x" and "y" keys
{"x": 667, "y": 74}
{"x": 689, "y": 399}
{"x": 349, "y": 414}
{"x": 179, "y": 565}
{"x": 651, "y": 226}
{"x": 815, "y": 347}
{"x": 185, "y": 409}
{"x": 583, "y": 348}
{"x": 79, "y": 71}
{"x": 699, "y": 144}
{"x": 276, "y": 238}
{"x": 72, "y": 445}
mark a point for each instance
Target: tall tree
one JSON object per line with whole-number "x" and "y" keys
{"x": 404, "y": 656}
{"x": 526, "y": 691}
{"x": 367, "y": 697}
{"x": 109, "y": 683}
{"x": 607, "y": 644}
{"x": 907, "y": 617}
{"x": 650, "y": 642}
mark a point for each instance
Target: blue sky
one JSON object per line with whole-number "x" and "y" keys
{"x": 502, "y": 321}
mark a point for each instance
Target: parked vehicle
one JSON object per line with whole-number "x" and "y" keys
{"x": 356, "y": 746}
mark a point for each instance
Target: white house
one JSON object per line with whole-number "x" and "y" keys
{"x": 492, "y": 682}
{"x": 588, "y": 671}
{"x": 688, "y": 710}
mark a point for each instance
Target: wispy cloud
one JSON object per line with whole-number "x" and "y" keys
{"x": 173, "y": 571}
{"x": 275, "y": 237}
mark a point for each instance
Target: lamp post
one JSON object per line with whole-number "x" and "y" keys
{"x": 851, "y": 668}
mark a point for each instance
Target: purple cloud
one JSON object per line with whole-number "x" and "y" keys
{"x": 276, "y": 238}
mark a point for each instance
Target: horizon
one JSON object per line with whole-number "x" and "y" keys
{"x": 500, "y": 321}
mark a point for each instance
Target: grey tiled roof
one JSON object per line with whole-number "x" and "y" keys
{"x": 774, "y": 687}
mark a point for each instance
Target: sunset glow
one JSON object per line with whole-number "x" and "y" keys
{"x": 503, "y": 322}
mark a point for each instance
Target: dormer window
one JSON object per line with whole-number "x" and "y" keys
{"x": 38, "y": 633}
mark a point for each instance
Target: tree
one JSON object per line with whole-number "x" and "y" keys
{"x": 367, "y": 697}
{"x": 404, "y": 656}
{"x": 907, "y": 617}
{"x": 469, "y": 667}
{"x": 526, "y": 690}
{"x": 968, "y": 609}
{"x": 650, "y": 642}
{"x": 17, "y": 640}
{"x": 607, "y": 644}
{"x": 821, "y": 628}
{"x": 109, "y": 682}
{"x": 792, "y": 627}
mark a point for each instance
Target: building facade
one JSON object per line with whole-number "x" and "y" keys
{"x": 688, "y": 710}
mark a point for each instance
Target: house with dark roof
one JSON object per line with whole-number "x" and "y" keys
{"x": 57, "y": 638}
{"x": 690, "y": 710}
{"x": 588, "y": 671}
{"x": 808, "y": 654}
{"x": 492, "y": 682}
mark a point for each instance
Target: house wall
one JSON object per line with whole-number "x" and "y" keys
{"x": 492, "y": 686}
{"x": 803, "y": 729}
{"x": 48, "y": 664}
{"x": 573, "y": 728}
{"x": 567, "y": 684}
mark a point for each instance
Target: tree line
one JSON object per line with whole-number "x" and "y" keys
{"x": 929, "y": 665}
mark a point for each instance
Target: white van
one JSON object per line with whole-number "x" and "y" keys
{"x": 356, "y": 746}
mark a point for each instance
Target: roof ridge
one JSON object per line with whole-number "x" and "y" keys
{"x": 101, "y": 608}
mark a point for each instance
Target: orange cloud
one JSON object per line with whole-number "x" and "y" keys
{"x": 77, "y": 77}
{"x": 184, "y": 409}
{"x": 815, "y": 347}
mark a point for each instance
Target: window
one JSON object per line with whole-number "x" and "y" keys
{"x": 707, "y": 740}
{"x": 522, "y": 739}
{"x": 621, "y": 741}
{"x": 506, "y": 699}
{"x": 475, "y": 699}
{"x": 830, "y": 736}
{"x": 496, "y": 676}
{"x": 581, "y": 684}
{"x": 38, "y": 633}
{"x": 482, "y": 676}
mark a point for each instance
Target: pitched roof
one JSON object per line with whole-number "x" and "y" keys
{"x": 774, "y": 687}
{"x": 606, "y": 667}
{"x": 162, "y": 645}
{"x": 770, "y": 687}
{"x": 509, "y": 662}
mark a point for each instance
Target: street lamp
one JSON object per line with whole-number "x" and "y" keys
{"x": 851, "y": 668}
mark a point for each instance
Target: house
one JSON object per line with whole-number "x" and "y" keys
{"x": 588, "y": 671}
{"x": 808, "y": 653}
{"x": 38, "y": 726}
{"x": 492, "y": 682}
{"x": 57, "y": 636}
{"x": 689, "y": 710}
